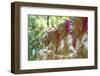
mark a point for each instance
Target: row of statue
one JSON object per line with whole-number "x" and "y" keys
{"x": 69, "y": 40}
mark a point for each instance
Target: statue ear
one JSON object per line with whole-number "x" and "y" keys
{"x": 72, "y": 28}
{"x": 81, "y": 27}
{"x": 67, "y": 24}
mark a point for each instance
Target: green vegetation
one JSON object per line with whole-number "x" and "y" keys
{"x": 37, "y": 25}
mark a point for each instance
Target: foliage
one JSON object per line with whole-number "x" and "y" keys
{"x": 37, "y": 26}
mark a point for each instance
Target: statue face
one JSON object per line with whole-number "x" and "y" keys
{"x": 62, "y": 31}
{"x": 77, "y": 26}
